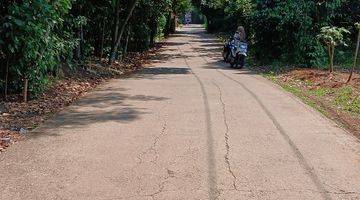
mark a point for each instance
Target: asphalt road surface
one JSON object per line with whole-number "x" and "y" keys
{"x": 188, "y": 127}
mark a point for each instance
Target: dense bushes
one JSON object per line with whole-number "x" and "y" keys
{"x": 37, "y": 37}
{"x": 31, "y": 45}
{"x": 282, "y": 30}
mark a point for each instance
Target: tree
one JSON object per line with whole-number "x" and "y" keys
{"x": 40, "y": 36}
{"x": 332, "y": 37}
{"x": 357, "y": 25}
{"x": 31, "y": 41}
{"x": 118, "y": 35}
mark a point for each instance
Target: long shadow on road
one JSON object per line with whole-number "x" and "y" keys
{"x": 109, "y": 104}
{"x": 100, "y": 107}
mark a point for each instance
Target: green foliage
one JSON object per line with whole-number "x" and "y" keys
{"x": 357, "y": 26}
{"x": 37, "y": 37}
{"x": 161, "y": 21}
{"x": 32, "y": 45}
{"x": 332, "y": 35}
{"x": 80, "y": 21}
{"x": 181, "y": 7}
{"x": 282, "y": 30}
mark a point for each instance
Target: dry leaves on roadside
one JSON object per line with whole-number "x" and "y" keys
{"x": 16, "y": 116}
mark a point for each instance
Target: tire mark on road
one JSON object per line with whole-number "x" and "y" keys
{"x": 310, "y": 171}
{"x": 212, "y": 175}
{"x": 301, "y": 159}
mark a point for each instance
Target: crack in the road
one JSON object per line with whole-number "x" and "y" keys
{"x": 161, "y": 186}
{"x": 285, "y": 189}
{"x": 212, "y": 177}
{"x": 341, "y": 191}
{"x": 160, "y": 190}
{"x": 226, "y": 137}
{"x": 309, "y": 170}
{"x": 246, "y": 191}
{"x": 152, "y": 148}
{"x": 215, "y": 193}
{"x": 306, "y": 166}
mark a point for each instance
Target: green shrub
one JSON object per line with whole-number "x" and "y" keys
{"x": 34, "y": 47}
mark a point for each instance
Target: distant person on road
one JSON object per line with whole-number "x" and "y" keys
{"x": 187, "y": 19}
{"x": 239, "y": 41}
{"x": 240, "y": 35}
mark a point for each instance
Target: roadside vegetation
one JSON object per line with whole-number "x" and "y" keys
{"x": 333, "y": 98}
{"x": 290, "y": 32}
{"x": 52, "y": 52}
{"x": 39, "y": 38}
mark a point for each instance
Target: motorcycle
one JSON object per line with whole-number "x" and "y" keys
{"x": 235, "y": 52}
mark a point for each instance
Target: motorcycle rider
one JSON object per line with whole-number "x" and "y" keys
{"x": 236, "y": 45}
{"x": 239, "y": 36}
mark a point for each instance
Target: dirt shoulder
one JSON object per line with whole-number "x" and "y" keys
{"x": 326, "y": 92}
{"x": 18, "y": 118}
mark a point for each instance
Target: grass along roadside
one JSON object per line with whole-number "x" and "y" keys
{"x": 316, "y": 87}
{"x": 326, "y": 93}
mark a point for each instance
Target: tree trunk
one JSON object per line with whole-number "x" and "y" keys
{"x": 355, "y": 58}
{"x": 332, "y": 57}
{"x": 126, "y": 42}
{"x": 82, "y": 42}
{"x": 173, "y": 23}
{"x": 6, "y": 78}
{"x": 25, "y": 90}
{"x": 123, "y": 26}
{"x": 167, "y": 25}
{"x": 115, "y": 30}
{"x": 153, "y": 31}
{"x": 102, "y": 40}
{"x": 78, "y": 48}
{"x": 98, "y": 39}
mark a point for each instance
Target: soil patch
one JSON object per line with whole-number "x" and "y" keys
{"x": 329, "y": 93}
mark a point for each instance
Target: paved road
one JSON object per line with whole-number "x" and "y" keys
{"x": 187, "y": 128}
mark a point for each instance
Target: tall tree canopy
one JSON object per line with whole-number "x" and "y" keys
{"x": 39, "y": 36}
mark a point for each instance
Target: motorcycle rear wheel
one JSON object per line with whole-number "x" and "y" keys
{"x": 240, "y": 61}
{"x": 226, "y": 55}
